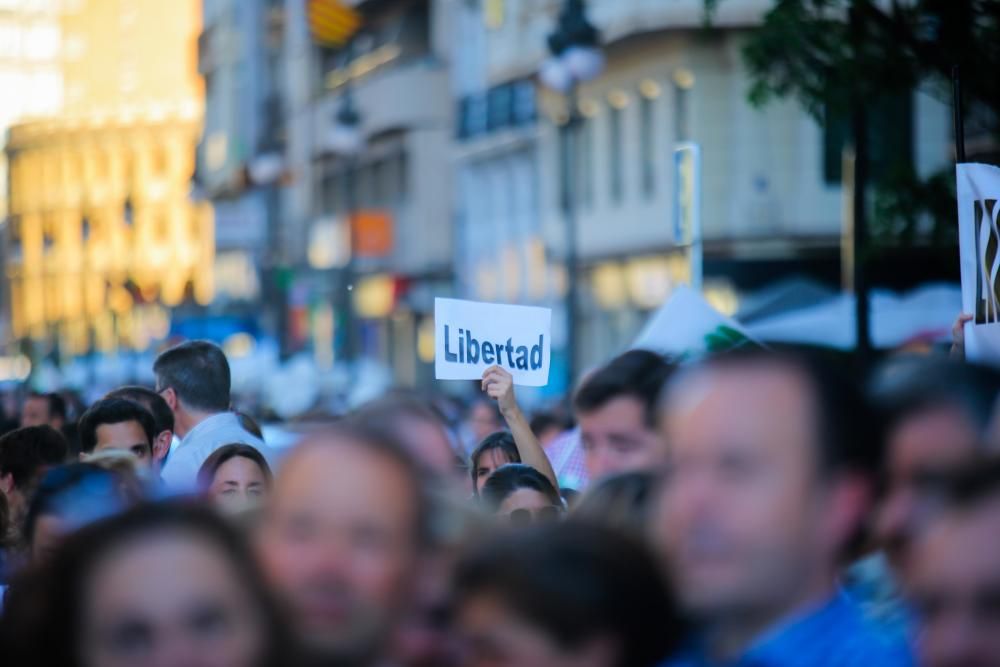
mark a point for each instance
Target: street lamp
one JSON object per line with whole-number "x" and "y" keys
{"x": 575, "y": 58}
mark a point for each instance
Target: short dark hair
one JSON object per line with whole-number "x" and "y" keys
{"x": 512, "y": 477}
{"x": 904, "y": 387}
{"x": 637, "y": 373}
{"x": 542, "y": 421}
{"x": 26, "y": 451}
{"x": 44, "y": 607}
{"x": 501, "y": 440}
{"x": 206, "y": 475}
{"x": 198, "y": 372}
{"x": 163, "y": 416}
{"x": 114, "y": 411}
{"x": 57, "y": 404}
{"x": 845, "y": 430}
{"x": 576, "y": 581}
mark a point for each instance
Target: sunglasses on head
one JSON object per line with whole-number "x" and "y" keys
{"x": 543, "y": 515}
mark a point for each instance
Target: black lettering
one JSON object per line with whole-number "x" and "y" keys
{"x": 461, "y": 350}
{"x": 522, "y": 358}
{"x": 471, "y": 348}
{"x": 448, "y": 354}
{"x": 487, "y": 352}
{"x": 499, "y": 350}
{"x": 510, "y": 352}
{"x": 536, "y": 353}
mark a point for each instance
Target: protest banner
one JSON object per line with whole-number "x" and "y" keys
{"x": 471, "y": 336}
{"x": 979, "y": 251}
{"x": 687, "y": 327}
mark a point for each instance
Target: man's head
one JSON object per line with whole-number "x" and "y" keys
{"x": 341, "y": 538}
{"x": 118, "y": 424}
{"x": 616, "y": 410}
{"x": 193, "y": 378}
{"x": 764, "y": 489}
{"x": 934, "y": 413}
{"x": 954, "y": 576}
{"x": 416, "y": 426}
{"x": 24, "y": 455}
{"x": 47, "y": 409}
{"x": 163, "y": 417}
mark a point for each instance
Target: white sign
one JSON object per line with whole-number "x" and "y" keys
{"x": 688, "y": 326}
{"x": 471, "y": 336}
{"x": 979, "y": 250}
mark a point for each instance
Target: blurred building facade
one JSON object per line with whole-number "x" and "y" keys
{"x": 370, "y": 228}
{"x": 102, "y": 237}
{"x": 771, "y": 195}
{"x": 241, "y": 162}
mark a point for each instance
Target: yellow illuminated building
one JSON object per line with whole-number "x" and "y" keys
{"x": 103, "y": 236}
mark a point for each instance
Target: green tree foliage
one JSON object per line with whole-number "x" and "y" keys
{"x": 809, "y": 50}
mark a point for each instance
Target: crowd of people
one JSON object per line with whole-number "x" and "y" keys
{"x": 755, "y": 508}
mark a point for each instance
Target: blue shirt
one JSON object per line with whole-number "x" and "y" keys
{"x": 835, "y": 635}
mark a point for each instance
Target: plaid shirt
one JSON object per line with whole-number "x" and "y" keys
{"x": 566, "y": 456}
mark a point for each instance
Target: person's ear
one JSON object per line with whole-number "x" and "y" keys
{"x": 170, "y": 396}
{"x": 161, "y": 445}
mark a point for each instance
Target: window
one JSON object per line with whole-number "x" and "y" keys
{"x": 647, "y": 147}
{"x": 615, "y": 162}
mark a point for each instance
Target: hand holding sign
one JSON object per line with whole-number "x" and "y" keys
{"x": 499, "y": 385}
{"x": 471, "y": 336}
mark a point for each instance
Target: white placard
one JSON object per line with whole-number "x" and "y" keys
{"x": 471, "y": 336}
{"x": 979, "y": 250}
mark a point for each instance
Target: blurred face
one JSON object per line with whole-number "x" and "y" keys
{"x": 339, "y": 543}
{"x": 741, "y": 518}
{"x": 483, "y": 421}
{"x": 920, "y": 450}
{"x": 35, "y": 411}
{"x": 239, "y": 485}
{"x": 428, "y": 443}
{"x": 125, "y": 436}
{"x": 487, "y": 465}
{"x": 193, "y": 612}
{"x": 955, "y": 586}
{"x": 494, "y": 636}
{"x": 616, "y": 439}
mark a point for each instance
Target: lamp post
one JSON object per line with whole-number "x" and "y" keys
{"x": 575, "y": 58}
{"x": 346, "y": 139}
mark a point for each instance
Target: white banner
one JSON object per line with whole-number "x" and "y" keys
{"x": 471, "y": 336}
{"x": 688, "y": 326}
{"x": 979, "y": 248}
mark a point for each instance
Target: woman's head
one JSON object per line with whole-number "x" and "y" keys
{"x": 572, "y": 594}
{"x": 160, "y": 584}
{"x": 517, "y": 490}
{"x": 69, "y": 497}
{"x": 497, "y": 449}
{"x": 236, "y": 477}
{"x": 621, "y": 501}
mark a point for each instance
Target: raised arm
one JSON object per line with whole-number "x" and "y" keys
{"x": 499, "y": 385}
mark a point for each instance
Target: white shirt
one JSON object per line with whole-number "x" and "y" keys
{"x": 181, "y": 470}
